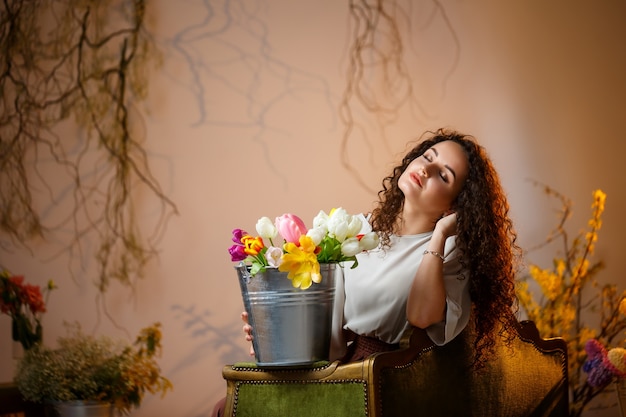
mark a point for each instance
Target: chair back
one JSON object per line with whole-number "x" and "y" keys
{"x": 527, "y": 378}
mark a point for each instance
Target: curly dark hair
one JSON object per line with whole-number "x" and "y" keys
{"x": 485, "y": 235}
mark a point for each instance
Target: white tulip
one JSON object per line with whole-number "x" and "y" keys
{"x": 317, "y": 234}
{"x": 350, "y": 246}
{"x": 338, "y": 222}
{"x": 274, "y": 256}
{"x": 354, "y": 226}
{"x": 266, "y": 228}
{"x": 321, "y": 220}
{"x": 369, "y": 241}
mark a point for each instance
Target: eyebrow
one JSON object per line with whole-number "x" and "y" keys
{"x": 447, "y": 166}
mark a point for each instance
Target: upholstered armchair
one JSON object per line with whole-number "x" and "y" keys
{"x": 527, "y": 378}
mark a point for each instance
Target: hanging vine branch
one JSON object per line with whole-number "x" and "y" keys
{"x": 379, "y": 83}
{"x": 85, "y": 62}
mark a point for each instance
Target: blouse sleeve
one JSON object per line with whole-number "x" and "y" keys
{"x": 458, "y": 303}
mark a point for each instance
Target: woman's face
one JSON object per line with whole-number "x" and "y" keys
{"x": 431, "y": 182}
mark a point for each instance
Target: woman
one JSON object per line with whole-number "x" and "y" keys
{"x": 446, "y": 259}
{"x": 447, "y": 250}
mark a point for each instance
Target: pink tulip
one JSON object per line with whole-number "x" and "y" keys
{"x": 290, "y": 227}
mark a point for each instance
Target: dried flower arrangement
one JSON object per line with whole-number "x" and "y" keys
{"x": 86, "y": 368}
{"x": 569, "y": 294}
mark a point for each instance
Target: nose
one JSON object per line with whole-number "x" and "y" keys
{"x": 424, "y": 171}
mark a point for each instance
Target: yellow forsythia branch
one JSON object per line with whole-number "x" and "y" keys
{"x": 553, "y": 298}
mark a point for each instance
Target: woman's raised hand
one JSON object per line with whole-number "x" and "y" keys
{"x": 247, "y": 329}
{"x": 447, "y": 224}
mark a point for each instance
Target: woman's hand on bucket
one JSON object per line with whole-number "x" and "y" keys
{"x": 247, "y": 329}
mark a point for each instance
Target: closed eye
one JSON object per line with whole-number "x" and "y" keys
{"x": 442, "y": 174}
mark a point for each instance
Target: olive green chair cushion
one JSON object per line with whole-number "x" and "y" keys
{"x": 347, "y": 398}
{"x": 324, "y": 389}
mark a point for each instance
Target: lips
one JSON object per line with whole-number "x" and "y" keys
{"x": 416, "y": 178}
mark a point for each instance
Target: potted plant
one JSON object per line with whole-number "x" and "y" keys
{"x": 87, "y": 370}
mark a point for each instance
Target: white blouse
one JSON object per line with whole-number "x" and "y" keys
{"x": 371, "y": 299}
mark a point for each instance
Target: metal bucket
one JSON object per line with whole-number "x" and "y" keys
{"x": 290, "y": 326}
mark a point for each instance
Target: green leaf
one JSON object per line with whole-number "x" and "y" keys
{"x": 356, "y": 262}
{"x": 256, "y": 267}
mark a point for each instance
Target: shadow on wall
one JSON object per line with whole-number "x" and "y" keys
{"x": 211, "y": 333}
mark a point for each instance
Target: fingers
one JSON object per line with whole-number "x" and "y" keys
{"x": 447, "y": 224}
{"x": 247, "y": 329}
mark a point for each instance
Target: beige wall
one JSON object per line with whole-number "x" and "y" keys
{"x": 242, "y": 122}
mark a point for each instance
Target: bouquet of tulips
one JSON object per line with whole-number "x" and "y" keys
{"x": 335, "y": 237}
